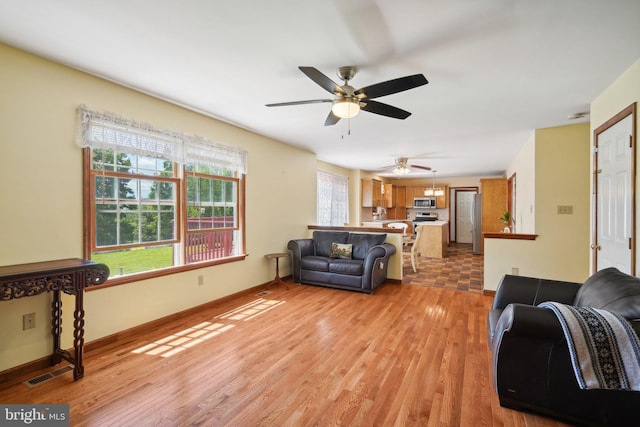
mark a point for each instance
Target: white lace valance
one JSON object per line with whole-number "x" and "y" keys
{"x": 109, "y": 131}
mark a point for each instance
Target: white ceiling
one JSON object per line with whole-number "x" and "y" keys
{"x": 497, "y": 69}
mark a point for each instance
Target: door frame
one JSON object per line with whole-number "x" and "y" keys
{"x": 628, "y": 111}
{"x": 511, "y": 201}
{"x": 454, "y": 238}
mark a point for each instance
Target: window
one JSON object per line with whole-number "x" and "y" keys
{"x": 333, "y": 199}
{"x": 158, "y": 200}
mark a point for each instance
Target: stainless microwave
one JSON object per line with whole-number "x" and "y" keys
{"x": 424, "y": 202}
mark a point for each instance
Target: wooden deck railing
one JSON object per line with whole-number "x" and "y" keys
{"x": 208, "y": 245}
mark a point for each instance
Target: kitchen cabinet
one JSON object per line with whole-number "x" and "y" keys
{"x": 394, "y": 196}
{"x": 389, "y": 196}
{"x": 396, "y": 209}
{"x": 442, "y": 202}
{"x": 494, "y": 203}
{"x": 400, "y": 196}
{"x": 371, "y": 193}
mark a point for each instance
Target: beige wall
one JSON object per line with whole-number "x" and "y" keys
{"x": 561, "y": 250}
{"x": 622, "y": 93}
{"x": 524, "y": 168}
{"x": 41, "y": 193}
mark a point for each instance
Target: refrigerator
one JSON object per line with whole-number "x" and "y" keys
{"x": 476, "y": 224}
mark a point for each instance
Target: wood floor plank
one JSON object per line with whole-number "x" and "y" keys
{"x": 407, "y": 355}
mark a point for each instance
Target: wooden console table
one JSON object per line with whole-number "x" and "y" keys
{"x": 70, "y": 276}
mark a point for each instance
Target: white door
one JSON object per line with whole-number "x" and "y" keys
{"x": 464, "y": 204}
{"x": 614, "y": 197}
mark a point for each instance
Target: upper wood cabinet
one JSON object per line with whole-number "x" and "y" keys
{"x": 371, "y": 193}
{"x": 400, "y": 194}
{"x": 395, "y": 195}
{"x": 389, "y": 196}
{"x": 442, "y": 202}
{"x": 494, "y": 203}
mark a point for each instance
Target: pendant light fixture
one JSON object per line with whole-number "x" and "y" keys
{"x": 433, "y": 191}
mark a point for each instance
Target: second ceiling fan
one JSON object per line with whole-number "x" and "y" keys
{"x": 348, "y": 101}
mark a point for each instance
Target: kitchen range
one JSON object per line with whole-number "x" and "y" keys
{"x": 423, "y": 216}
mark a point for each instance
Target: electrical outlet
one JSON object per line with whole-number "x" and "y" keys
{"x": 565, "y": 210}
{"x": 28, "y": 321}
{"x": 200, "y": 280}
{"x": 515, "y": 271}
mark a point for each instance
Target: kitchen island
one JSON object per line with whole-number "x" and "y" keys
{"x": 434, "y": 240}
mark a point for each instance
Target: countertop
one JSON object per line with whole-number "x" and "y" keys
{"x": 381, "y": 222}
{"x": 432, "y": 223}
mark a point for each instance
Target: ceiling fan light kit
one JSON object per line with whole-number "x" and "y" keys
{"x": 401, "y": 170}
{"x": 345, "y": 108}
{"x": 402, "y": 166}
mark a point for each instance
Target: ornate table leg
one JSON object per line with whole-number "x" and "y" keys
{"x": 78, "y": 336}
{"x": 56, "y": 327}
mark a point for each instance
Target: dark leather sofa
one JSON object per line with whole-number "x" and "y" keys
{"x": 531, "y": 367}
{"x": 364, "y": 271}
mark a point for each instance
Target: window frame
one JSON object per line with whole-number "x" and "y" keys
{"x": 96, "y": 173}
{"x": 344, "y": 180}
{"x": 184, "y": 219}
{"x": 181, "y": 217}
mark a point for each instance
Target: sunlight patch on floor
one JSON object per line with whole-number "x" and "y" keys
{"x": 250, "y": 310}
{"x": 180, "y": 341}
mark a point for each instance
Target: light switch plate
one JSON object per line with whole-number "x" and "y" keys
{"x": 565, "y": 209}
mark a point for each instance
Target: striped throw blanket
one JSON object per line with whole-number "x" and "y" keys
{"x": 604, "y": 350}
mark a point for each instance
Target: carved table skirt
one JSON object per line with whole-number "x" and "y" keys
{"x": 70, "y": 276}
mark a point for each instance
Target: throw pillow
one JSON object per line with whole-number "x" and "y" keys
{"x": 340, "y": 250}
{"x": 322, "y": 241}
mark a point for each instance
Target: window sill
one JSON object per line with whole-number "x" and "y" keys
{"x": 165, "y": 272}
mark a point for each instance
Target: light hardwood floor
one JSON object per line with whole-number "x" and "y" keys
{"x": 307, "y": 356}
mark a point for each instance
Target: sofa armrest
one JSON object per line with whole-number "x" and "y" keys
{"x": 533, "y": 291}
{"x": 524, "y": 338}
{"x": 529, "y": 321}
{"x": 384, "y": 251}
{"x": 376, "y": 264}
{"x": 299, "y": 248}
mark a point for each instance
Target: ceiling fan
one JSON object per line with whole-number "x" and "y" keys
{"x": 402, "y": 166}
{"x": 348, "y": 101}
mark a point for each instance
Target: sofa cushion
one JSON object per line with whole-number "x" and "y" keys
{"x": 610, "y": 289}
{"x": 341, "y": 250}
{"x": 363, "y": 242}
{"x": 315, "y": 263}
{"x": 352, "y": 267}
{"x": 324, "y": 239}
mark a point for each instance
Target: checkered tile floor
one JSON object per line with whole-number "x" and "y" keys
{"x": 461, "y": 270}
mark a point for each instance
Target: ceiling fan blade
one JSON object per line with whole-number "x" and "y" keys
{"x": 384, "y": 110}
{"x": 311, "y": 101}
{"x": 322, "y": 80}
{"x": 427, "y": 168}
{"x": 332, "y": 119}
{"x": 391, "y": 86}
